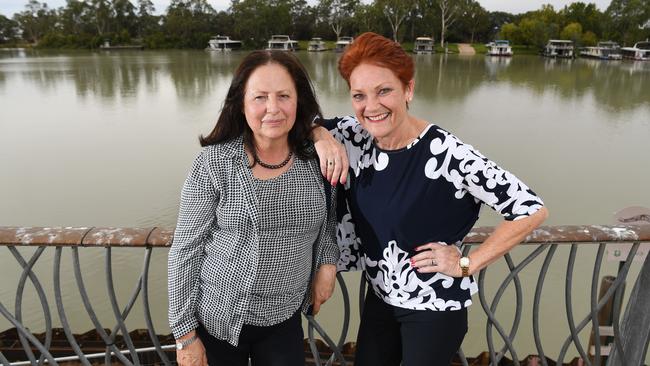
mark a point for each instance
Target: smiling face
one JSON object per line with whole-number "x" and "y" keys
{"x": 379, "y": 100}
{"x": 270, "y": 103}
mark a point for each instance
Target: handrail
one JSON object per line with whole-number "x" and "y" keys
{"x": 162, "y": 237}
{"x": 631, "y": 335}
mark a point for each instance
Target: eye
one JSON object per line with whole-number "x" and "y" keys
{"x": 384, "y": 91}
{"x": 285, "y": 96}
{"x": 357, "y": 97}
{"x": 260, "y": 98}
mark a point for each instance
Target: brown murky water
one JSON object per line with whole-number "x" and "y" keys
{"x": 106, "y": 139}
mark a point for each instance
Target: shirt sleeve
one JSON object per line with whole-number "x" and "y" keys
{"x": 357, "y": 141}
{"x": 196, "y": 222}
{"x": 496, "y": 187}
{"x": 327, "y": 251}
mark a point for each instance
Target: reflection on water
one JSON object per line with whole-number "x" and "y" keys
{"x": 616, "y": 85}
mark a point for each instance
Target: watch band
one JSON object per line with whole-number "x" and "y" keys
{"x": 182, "y": 344}
{"x": 464, "y": 263}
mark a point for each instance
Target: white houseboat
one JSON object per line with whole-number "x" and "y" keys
{"x": 499, "y": 47}
{"x": 316, "y": 45}
{"x": 558, "y": 48}
{"x": 343, "y": 42}
{"x": 640, "y": 51}
{"x": 423, "y": 45}
{"x": 282, "y": 43}
{"x": 603, "y": 51}
{"x": 223, "y": 43}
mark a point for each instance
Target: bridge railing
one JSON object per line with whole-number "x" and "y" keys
{"x": 628, "y": 324}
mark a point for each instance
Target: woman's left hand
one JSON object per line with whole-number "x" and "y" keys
{"x": 323, "y": 286}
{"x": 437, "y": 257}
{"x": 333, "y": 157}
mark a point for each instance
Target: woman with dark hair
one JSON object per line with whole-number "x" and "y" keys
{"x": 414, "y": 191}
{"x": 254, "y": 243}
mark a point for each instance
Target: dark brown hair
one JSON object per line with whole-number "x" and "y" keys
{"x": 232, "y": 122}
{"x": 378, "y": 50}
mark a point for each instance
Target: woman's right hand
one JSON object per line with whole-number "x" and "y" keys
{"x": 192, "y": 354}
{"x": 333, "y": 157}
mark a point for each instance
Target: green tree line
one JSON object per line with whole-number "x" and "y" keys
{"x": 191, "y": 23}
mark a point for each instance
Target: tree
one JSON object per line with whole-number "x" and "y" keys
{"x": 474, "y": 19}
{"x": 8, "y": 29}
{"x": 626, "y": 19}
{"x": 123, "y": 17}
{"x": 396, "y": 12}
{"x": 101, "y": 13}
{"x": 534, "y": 32}
{"x": 75, "y": 18}
{"x": 572, "y": 31}
{"x": 368, "y": 18}
{"x": 35, "y": 20}
{"x": 587, "y": 15}
{"x": 449, "y": 10}
{"x": 189, "y": 23}
{"x": 255, "y": 20}
{"x": 338, "y": 13}
{"x": 589, "y": 38}
{"x": 511, "y": 32}
{"x": 147, "y": 22}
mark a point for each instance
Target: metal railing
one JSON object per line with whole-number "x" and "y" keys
{"x": 630, "y": 335}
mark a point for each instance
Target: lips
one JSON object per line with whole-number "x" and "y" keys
{"x": 272, "y": 121}
{"x": 378, "y": 117}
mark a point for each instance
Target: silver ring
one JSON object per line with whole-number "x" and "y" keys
{"x": 433, "y": 263}
{"x": 329, "y": 162}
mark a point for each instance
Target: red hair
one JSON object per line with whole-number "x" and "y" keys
{"x": 371, "y": 48}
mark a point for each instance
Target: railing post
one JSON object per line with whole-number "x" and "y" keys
{"x": 635, "y": 330}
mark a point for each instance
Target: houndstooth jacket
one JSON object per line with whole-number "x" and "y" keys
{"x": 214, "y": 255}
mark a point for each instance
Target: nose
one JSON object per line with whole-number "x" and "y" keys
{"x": 272, "y": 104}
{"x": 372, "y": 103}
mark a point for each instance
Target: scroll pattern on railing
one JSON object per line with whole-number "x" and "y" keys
{"x": 544, "y": 243}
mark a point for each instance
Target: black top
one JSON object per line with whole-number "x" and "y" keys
{"x": 430, "y": 191}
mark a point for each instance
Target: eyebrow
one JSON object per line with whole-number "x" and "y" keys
{"x": 383, "y": 85}
{"x": 267, "y": 92}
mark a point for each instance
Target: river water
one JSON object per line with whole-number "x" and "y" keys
{"x": 106, "y": 139}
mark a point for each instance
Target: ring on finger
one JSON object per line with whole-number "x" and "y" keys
{"x": 330, "y": 162}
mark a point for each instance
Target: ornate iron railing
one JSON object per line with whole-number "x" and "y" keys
{"x": 630, "y": 335}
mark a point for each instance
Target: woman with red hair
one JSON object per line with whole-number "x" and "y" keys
{"x": 414, "y": 191}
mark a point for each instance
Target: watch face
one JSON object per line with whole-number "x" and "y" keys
{"x": 464, "y": 262}
{"x": 179, "y": 346}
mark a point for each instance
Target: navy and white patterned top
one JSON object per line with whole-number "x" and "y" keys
{"x": 429, "y": 191}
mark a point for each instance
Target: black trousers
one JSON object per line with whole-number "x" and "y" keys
{"x": 277, "y": 345}
{"x": 389, "y": 335}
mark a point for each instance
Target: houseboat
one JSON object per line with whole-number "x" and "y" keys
{"x": 558, "y": 48}
{"x": 282, "y": 43}
{"x": 343, "y": 42}
{"x": 316, "y": 45}
{"x": 603, "y": 51}
{"x": 423, "y": 45}
{"x": 640, "y": 51}
{"x": 499, "y": 48}
{"x": 222, "y": 43}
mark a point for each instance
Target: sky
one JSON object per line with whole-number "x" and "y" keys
{"x": 9, "y": 7}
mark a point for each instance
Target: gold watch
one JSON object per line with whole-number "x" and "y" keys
{"x": 464, "y": 265}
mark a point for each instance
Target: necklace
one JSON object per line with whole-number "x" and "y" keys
{"x": 272, "y": 166}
